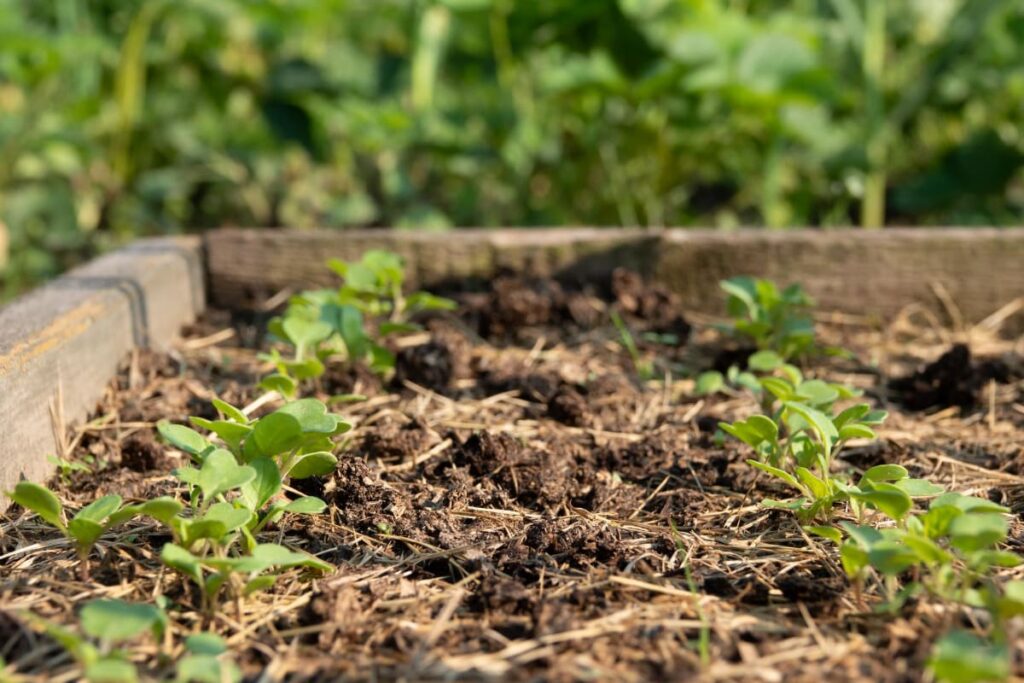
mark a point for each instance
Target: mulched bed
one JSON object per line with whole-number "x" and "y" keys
{"x": 516, "y": 505}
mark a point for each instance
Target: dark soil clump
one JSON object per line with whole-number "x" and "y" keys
{"x": 952, "y": 380}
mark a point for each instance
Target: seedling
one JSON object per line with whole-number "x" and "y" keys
{"x": 798, "y": 448}
{"x": 106, "y": 624}
{"x": 643, "y": 367}
{"x": 93, "y": 520}
{"x": 322, "y": 323}
{"x": 769, "y": 318}
{"x": 255, "y": 572}
{"x": 206, "y": 661}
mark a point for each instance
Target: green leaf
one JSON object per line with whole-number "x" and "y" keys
{"x": 264, "y": 486}
{"x": 115, "y": 621}
{"x": 765, "y": 361}
{"x": 230, "y": 433}
{"x": 307, "y": 505}
{"x": 851, "y": 414}
{"x": 863, "y": 536}
{"x": 183, "y": 438}
{"x": 885, "y": 473}
{"x": 854, "y": 558}
{"x": 886, "y": 498}
{"x": 205, "y": 644}
{"x": 282, "y": 384}
{"x": 161, "y": 509}
{"x": 110, "y": 669}
{"x": 708, "y": 383}
{"x": 425, "y": 301}
{"x": 962, "y": 657}
{"x": 918, "y": 488}
{"x": 85, "y": 532}
{"x": 199, "y": 668}
{"x": 890, "y": 557}
{"x": 100, "y": 509}
{"x": 303, "y": 333}
{"x": 1011, "y": 602}
{"x": 179, "y": 559}
{"x": 258, "y": 584}
{"x": 273, "y": 435}
{"x": 777, "y": 473}
{"x": 818, "y": 421}
{"x": 856, "y": 431}
{"x": 313, "y": 465}
{"x": 967, "y": 503}
{"x": 977, "y": 530}
{"x": 817, "y": 393}
{"x": 817, "y": 487}
{"x": 927, "y": 550}
{"x": 229, "y": 411}
{"x": 39, "y": 500}
{"x": 220, "y": 473}
{"x": 313, "y": 417}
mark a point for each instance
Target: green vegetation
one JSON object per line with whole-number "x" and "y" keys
{"x": 350, "y": 322}
{"x": 151, "y": 116}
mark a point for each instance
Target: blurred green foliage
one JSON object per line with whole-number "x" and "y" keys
{"x": 128, "y": 117}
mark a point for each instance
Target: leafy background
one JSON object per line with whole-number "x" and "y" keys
{"x": 121, "y": 118}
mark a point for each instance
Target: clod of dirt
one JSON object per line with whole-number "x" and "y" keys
{"x": 952, "y": 380}
{"x": 392, "y": 442}
{"x": 569, "y": 407}
{"x": 485, "y": 452}
{"x": 797, "y": 588}
{"x": 746, "y": 589}
{"x": 659, "y": 308}
{"x": 351, "y": 378}
{"x": 518, "y": 302}
{"x": 436, "y": 364}
{"x": 141, "y": 453}
{"x": 363, "y": 500}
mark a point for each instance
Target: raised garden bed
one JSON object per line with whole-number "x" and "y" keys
{"x": 521, "y": 497}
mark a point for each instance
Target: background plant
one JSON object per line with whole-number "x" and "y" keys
{"x": 153, "y": 116}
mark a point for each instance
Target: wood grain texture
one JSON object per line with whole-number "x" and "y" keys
{"x": 60, "y": 345}
{"x": 862, "y": 272}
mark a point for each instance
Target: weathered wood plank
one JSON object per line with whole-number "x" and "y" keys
{"x": 863, "y": 272}
{"x": 60, "y": 345}
{"x": 248, "y": 266}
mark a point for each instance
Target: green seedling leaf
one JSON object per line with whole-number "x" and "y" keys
{"x": 779, "y": 388}
{"x": 313, "y": 417}
{"x": 977, "y": 530}
{"x": 918, "y": 488}
{"x": 115, "y": 621}
{"x": 205, "y": 644}
{"x": 852, "y": 414}
{"x": 863, "y": 536}
{"x": 273, "y": 435}
{"x": 259, "y": 584}
{"x": 181, "y": 560}
{"x": 264, "y": 486}
{"x": 282, "y": 384}
{"x": 346, "y": 398}
{"x": 777, "y": 473}
{"x": 874, "y": 417}
{"x": 425, "y": 301}
{"x": 962, "y": 657}
{"x": 853, "y": 557}
{"x": 388, "y": 328}
{"x": 827, "y": 532}
{"x": 315, "y": 464}
{"x": 206, "y": 669}
{"x": 227, "y": 515}
{"x": 792, "y": 505}
{"x": 85, "y": 532}
{"x": 967, "y": 503}
{"x": 306, "y": 368}
{"x": 40, "y": 500}
{"x": 220, "y": 473}
{"x": 231, "y": 433}
{"x": 817, "y": 393}
{"x": 886, "y": 498}
{"x": 856, "y": 431}
{"x": 818, "y": 421}
{"x": 708, "y": 383}
{"x": 817, "y": 487}
{"x": 161, "y": 509}
{"x": 110, "y": 669}
{"x": 229, "y": 411}
{"x": 928, "y": 551}
{"x": 100, "y": 509}
{"x": 765, "y": 361}
{"x": 885, "y": 473}
{"x": 183, "y": 438}
{"x": 305, "y": 334}
{"x": 890, "y": 557}
{"x": 307, "y": 505}
{"x": 1011, "y": 602}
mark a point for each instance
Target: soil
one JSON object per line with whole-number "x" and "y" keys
{"x": 515, "y": 504}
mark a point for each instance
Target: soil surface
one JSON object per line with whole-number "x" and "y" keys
{"x": 514, "y": 503}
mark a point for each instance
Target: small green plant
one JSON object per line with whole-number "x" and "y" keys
{"x": 323, "y": 323}
{"x": 770, "y": 318}
{"x": 206, "y": 661}
{"x": 247, "y": 574}
{"x": 65, "y": 468}
{"x": 105, "y": 625}
{"x": 90, "y": 522}
{"x": 643, "y": 367}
